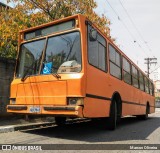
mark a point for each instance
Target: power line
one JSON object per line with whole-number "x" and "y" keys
{"x": 155, "y": 69}
{"x": 120, "y": 20}
{"x": 136, "y": 27}
{"x": 148, "y": 47}
{"x": 135, "y": 41}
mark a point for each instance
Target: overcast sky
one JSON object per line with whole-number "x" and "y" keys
{"x": 137, "y": 42}
{"x": 139, "y": 38}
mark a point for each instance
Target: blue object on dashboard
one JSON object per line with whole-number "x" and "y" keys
{"x": 47, "y": 68}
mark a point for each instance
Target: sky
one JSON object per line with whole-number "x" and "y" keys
{"x": 135, "y": 26}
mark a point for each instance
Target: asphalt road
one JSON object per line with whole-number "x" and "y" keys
{"x": 129, "y": 131}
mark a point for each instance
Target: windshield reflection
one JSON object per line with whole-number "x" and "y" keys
{"x": 30, "y": 57}
{"x": 62, "y": 55}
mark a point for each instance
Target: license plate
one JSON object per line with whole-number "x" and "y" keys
{"x": 35, "y": 109}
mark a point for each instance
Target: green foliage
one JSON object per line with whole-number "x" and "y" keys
{"x": 30, "y": 13}
{"x": 157, "y": 98}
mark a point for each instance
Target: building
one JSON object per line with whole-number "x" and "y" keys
{"x": 157, "y": 88}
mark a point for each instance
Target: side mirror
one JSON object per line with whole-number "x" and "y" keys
{"x": 93, "y": 35}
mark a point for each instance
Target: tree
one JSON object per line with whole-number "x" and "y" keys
{"x": 29, "y": 13}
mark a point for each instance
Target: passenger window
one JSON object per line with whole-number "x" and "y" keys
{"x": 135, "y": 77}
{"x": 97, "y": 51}
{"x": 115, "y": 63}
{"x": 146, "y": 85}
{"x": 141, "y": 81}
{"x": 127, "y": 71}
{"x": 150, "y": 88}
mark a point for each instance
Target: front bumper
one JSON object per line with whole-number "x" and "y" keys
{"x": 68, "y": 111}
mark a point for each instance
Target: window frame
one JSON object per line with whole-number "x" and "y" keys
{"x": 105, "y": 47}
{"x": 151, "y": 88}
{"x": 133, "y": 77}
{"x": 126, "y": 71}
{"x": 146, "y": 79}
{"x": 109, "y": 44}
{"x": 140, "y": 72}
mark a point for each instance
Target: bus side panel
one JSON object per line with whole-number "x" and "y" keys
{"x": 96, "y": 104}
{"x": 130, "y": 109}
{"x": 129, "y": 96}
{"x": 103, "y": 85}
{"x": 96, "y": 108}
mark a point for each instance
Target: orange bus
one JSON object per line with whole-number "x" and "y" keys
{"x": 69, "y": 68}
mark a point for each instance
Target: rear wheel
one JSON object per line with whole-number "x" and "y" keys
{"x": 60, "y": 121}
{"x": 112, "y": 120}
{"x": 145, "y": 116}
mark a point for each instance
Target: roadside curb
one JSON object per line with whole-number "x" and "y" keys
{"x": 12, "y": 128}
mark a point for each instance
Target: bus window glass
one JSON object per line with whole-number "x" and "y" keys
{"x": 101, "y": 57}
{"x": 49, "y": 30}
{"x": 146, "y": 85}
{"x": 135, "y": 77}
{"x": 64, "y": 53}
{"x": 115, "y": 70}
{"x": 93, "y": 53}
{"x": 115, "y": 64}
{"x": 29, "y": 58}
{"x": 97, "y": 51}
{"x": 141, "y": 81}
{"x": 150, "y": 88}
{"x": 126, "y": 66}
{"x": 127, "y": 71}
{"x": 114, "y": 56}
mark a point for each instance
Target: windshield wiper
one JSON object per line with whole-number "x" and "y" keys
{"x": 56, "y": 75}
{"x": 25, "y": 76}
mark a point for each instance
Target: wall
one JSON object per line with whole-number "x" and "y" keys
{"x": 7, "y": 67}
{"x": 158, "y": 104}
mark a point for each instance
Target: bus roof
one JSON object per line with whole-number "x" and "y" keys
{"x": 51, "y": 23}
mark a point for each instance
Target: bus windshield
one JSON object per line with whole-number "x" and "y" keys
{"x": 62, "y": 55}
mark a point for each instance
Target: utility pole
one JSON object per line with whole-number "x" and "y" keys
{"x": 150, "y": 61}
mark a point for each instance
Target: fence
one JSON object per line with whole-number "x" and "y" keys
{"x": 6, "y": 76}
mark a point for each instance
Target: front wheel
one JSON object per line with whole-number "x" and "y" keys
{"x": 60, "y": 121}
{"x": 112, "y": 120}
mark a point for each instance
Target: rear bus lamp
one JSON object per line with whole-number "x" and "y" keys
{"x": 75, "y": 101}
{"x": 12, "y": 100}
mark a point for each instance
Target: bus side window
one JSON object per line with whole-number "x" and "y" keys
{"x": 150, "y": 88}
{"x": 146, "y": 85}
{"x": 141, "y": 81}
{"x": 115, "y": 63}
{"x": 135, "y": 77}
{"x": 127, "y": 71}
{"x": 97, "y": 50}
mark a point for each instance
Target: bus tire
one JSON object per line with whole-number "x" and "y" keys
{"x": 60, "y": 121}
{"x": 145, "y": 116}
{"x": 112, "y": 120}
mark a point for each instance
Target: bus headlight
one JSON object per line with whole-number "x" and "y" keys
{"x": 75, "y": 101}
